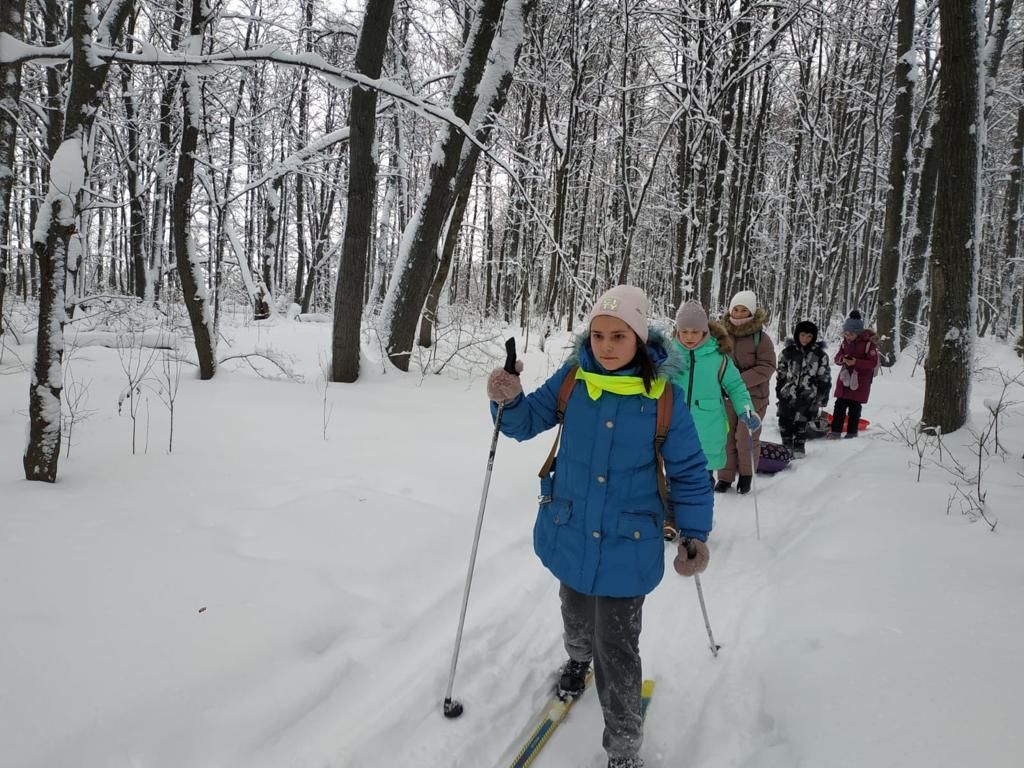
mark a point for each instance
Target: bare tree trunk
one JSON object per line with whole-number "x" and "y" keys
{"x": 1013, "y": 263}
{"x": 895, "y": 198}
{"x": 11, "y": 23}
{"x": 954, "y": 241}
{"x": 484, "y": 116}
{"x": 682, "y": 177}
{"x": 914, "y": 273}
{"x": 349, "y": 293}
{"x": 320, "y": 252}
{"x": 999, "y": 30}
{"x": 56, "y": 225}
{"x": 158, "y": 256}
{"x": 451, "y": 242}
{"x": 417, "y": 260}
{"x": 190, "y": 272}
{"x": 137, "y": 215}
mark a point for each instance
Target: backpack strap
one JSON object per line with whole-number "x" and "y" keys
{"x": 662, "y": 424}
{"x": 664, "y": 421}
{"x": 564, "y": 393}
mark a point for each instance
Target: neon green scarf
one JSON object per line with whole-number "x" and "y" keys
{"x": 619, "y": 385}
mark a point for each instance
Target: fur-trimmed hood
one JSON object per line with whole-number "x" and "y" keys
{"x": 756, "y": 324}
{"x": 668, "y": 362}
{"x": 721, "y": 334}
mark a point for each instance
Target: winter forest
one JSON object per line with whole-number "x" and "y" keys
{"x": 418, "y": 172}
{"x": 257, "y": 257}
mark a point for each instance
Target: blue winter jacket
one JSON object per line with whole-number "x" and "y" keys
{"x": 601, "y": 531}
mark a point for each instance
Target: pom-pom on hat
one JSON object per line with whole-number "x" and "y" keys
{"x": 746, "y": 299}
{"x": 854, "y": 323}
{"x": 691, "y": 316}
{"x": 626, "y": 302}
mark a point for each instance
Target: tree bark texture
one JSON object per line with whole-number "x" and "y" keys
{"x": 954, "y": 243}
{"x": 914, "y": 273}
{"x": 362, "y": 188}
{"x": 895, "y": 198}
{"x": 190, "y": 272}
{"x": 1013, "y": 261}
{"x": 12, "y": 23}
{"x": 55, "y": 232}
{"x": 415, "y": 270}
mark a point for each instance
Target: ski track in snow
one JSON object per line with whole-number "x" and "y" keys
{"x": 333, "y": 569}
{"x": 705, "y": 708}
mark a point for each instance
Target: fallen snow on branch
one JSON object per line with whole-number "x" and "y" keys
{"x": 154, "y": 338}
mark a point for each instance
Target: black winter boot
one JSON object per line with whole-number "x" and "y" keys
{"x": 798, "y": 449}
{"x": 721, "y": 486}
{"x": 626, "y": 762}
{"x": 573, "y": 679}
{"x": 743, "y": 484}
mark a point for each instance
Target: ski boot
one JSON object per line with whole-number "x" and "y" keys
{"x": 573, "y": 679}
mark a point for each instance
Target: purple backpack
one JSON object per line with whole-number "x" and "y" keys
{"x": 774, "y": 458}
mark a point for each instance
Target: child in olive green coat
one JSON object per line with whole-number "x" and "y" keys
{"x": 706, "y": 371}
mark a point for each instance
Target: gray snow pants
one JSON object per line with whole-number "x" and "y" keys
{"x": 607, "y": 630}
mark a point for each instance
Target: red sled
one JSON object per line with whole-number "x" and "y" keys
{"x": 862, "y": 424}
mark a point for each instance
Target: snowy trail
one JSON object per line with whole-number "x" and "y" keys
{"x": 273, "y": 595}
{"x": 699, "y": 699}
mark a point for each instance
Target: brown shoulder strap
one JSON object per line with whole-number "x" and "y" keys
{"x": 664, "y": 421}
{"x": 664, "y": 415}
{"x": 564, "y": 393}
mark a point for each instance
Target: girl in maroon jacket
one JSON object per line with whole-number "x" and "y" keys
{"x": 858, "y": 360}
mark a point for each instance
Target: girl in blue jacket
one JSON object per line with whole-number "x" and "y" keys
{"x": 599, "y": 525}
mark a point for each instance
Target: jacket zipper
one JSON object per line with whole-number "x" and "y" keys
{"x": 689, "y": 390}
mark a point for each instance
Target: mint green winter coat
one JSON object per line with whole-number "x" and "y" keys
{"x": 698, "y": 379}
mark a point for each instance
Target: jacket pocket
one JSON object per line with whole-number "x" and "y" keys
{"x": 641, "y": 538}
{"x": 710, "y": 404}
{"x": 552, "y": 516}
{"x": 639, "y": 525}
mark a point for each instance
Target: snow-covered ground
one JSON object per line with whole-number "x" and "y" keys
{"x": 266, "y": 597}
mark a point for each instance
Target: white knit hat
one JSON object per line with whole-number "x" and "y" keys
{"x": 746, "y": 299}
{"x": 627, "y": 303}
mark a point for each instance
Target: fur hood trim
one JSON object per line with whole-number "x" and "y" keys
{"x": 721, "y": 334}
{"x": 756, "y": 325}
{"x": 667, "y": 359}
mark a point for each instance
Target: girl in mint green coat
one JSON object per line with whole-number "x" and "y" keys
{"x": 707, "y": 369}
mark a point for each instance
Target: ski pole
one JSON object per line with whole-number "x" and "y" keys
{"x": 691, "y": 552}
{"x": 453, "y": 708}
{"x": 753, "y": 486}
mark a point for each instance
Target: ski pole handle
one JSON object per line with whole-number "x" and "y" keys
{"x": 691, "y": 548}
{"x": 510, "y": 356}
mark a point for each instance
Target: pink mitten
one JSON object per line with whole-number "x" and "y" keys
{"x": 692, "y": 558}
{"x": 504, "y": 387}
